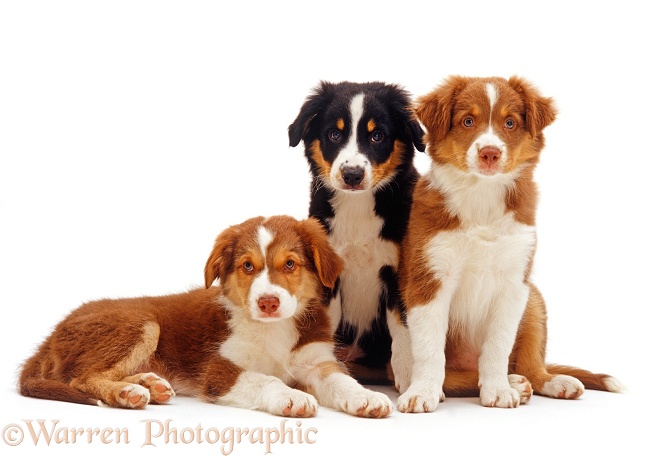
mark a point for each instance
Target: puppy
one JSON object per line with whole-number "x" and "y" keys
{"x": 359, "y": 141}
{"x": 239, "y": 344}
{"x": 467, "y": 257}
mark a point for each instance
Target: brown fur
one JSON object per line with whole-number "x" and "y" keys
{"x": 105, "y": 348}
{"x": 443, "y": 112}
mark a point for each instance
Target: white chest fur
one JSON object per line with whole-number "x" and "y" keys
{"x": 355, "y": 230}
{"x": 486, "y": 258}
{"x": 261, "y": 347}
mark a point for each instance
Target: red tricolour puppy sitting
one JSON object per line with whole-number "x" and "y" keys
{"x": 467, "y": 256}
{"x": 241, "y": 344}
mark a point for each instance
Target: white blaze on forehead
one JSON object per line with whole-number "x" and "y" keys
{"x": 356, "y": 110}
{"x": 350, "y": 155}
{"x": 263, "y": 286}
{"x": 493, "y": 96}
{"x": 265, "y": 238}
{"x": 489, "y": 137}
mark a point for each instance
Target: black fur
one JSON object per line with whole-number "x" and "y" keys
{"x": 390, "y": 107}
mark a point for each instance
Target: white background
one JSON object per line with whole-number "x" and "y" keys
{"x": 132, "y": 133}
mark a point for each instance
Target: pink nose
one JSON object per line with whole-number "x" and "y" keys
{"x": 489, "y": 155}
{"x": 268, "y": 304}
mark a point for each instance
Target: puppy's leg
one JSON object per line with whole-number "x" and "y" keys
{"x": 109, "y": 384}
{"x": 460, "y": 383}
{"x": 335, "y": 312}
{"x": 528, "y": 356}
{"x": 500, "y": 332}
{"x": 427, "y": 325}
{"x": 464, "y": 383}
{"x": 225, "y": 383}
{"x": 401, "y": 351}
{"x": 315, "y": 368}
{"x": 159, "y": 389}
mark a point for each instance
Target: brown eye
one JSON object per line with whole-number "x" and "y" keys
{"x": 248, "y": 267}
{"x": 469, "y": 121}
{"x": 376, "y": 136}
{"x": 289, "y": 266}
{"x": 509, "y": 123}
{"x": 335, "y": 136}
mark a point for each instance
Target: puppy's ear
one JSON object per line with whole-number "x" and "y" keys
{"x": 434, "y": 109}
{"x": 310, "y": 109}
{"x": 221, "y": 257}
{"x": 403, "y": 112}
{"x": 328, "y": 263}
{"x": 540, "y": 111}
{"x": 417, "y": 133}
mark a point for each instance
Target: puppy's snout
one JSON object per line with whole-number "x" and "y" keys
{"x": 352, "y": 176}
{"x": 268, "y": 304}
{"x": 489, "y": 155}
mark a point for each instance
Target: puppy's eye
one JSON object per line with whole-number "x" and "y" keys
{"x": 509, "y": 123}
{"x": 335, "y": 136}
{"x": 289, "y": 266}
{"x": 469, "y": 121}
{"x": 376, "y": 136}
{"x": 248, "y": 267}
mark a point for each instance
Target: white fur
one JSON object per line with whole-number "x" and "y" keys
{"x": 614, "y": 385}
{"x": 261, "y": 388}
{"x": 563, "y": 386}
{"x": 310, "y": 356}
{"x": 265, "y": 238}
{"x": 337, "y": 390}
{"x": 427, "y": 326}
{"x": 492, "y": 94}
{"x": 487, "y": 138}
{"x": 355, "y": 236}
{"x": 350, "y": 155}
{"x": 254, "y": 390}
{"x": 401, "y": 352}
{"x": 260, "y": 346}
{"x": 262, "y": 286}
{"x": 481, "y": 268}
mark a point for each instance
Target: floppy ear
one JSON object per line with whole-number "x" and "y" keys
{"x": 313, "y": 105}
{"x": 222, "y": 255}
{"x": 401, "y": 107}
{"x": 540, "y": 111}
{"x": 416, "y": 132}
{"x": 434, "y": 109}
{"x": 328, "y": 263}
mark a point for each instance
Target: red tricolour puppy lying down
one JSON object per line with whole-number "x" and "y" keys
{"x": 467, "y": 256}
{"x": 239, "y": 344}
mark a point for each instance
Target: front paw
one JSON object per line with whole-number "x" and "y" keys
{"x": 420, "y": 399}
{"x": 367, "y": 403}
{"x": 499, "y": 396}
{"x": 293, "y": 403}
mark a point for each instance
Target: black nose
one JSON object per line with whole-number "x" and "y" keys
{"x": 353, "y": 175}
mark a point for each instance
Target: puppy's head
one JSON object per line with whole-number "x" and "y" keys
{"x": 357, "y": 136}
{"x": 485, "y": 126}
{"x": 272, "y": 268}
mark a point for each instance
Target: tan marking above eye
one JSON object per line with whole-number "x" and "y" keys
{"x": 371, "y": 125}
{"x": 340, "y": 124}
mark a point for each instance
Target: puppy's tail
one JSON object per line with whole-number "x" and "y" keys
{"x": 33, "y": 384}
{"x": 591, "y": 381}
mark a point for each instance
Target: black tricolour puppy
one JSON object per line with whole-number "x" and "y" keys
{"x": 359, "y": 140}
